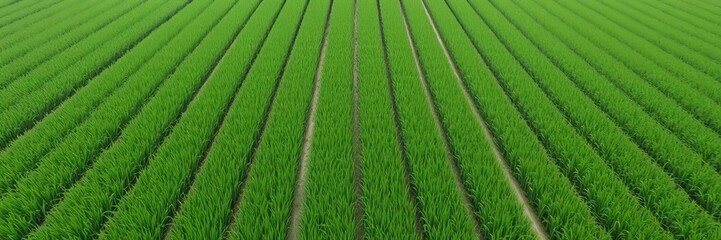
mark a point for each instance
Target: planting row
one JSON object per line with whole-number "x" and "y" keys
{"x": 416, "y": 119}
{"x": 71, "y": 156}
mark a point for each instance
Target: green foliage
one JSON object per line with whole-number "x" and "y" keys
{"x": 23, "y": 9}
{"x": 349, "y": 119}
{"x": 429, "y": 170}
{"x": 28, "y": 65}
{"x": 265, "y": 207}
{"x": 329, "y": 207}
{"x": 388, "y": 210}
{"x": 116, "y": 168}
{"x": 37, "y": 190}
{"x": 162, "y": 183}
{"x": 630, "y": 118}
{"x": 495, "y": 203}
{"x": 37, "y": 23}
{"x": 685, "y": 165}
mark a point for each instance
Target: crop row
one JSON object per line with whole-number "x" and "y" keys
{"x": 264, "y": 205}
{"x": 676, "y": 48}
{"x": 39, "y": 104}
{"x": 13, "y": 6}
{"x": 251, "y": 109}
{"x": 54, "y": 29}
{"x": 23, "y": 112}
{"x": 28, "y": 64}
{"x": 661, "y": 108}
{"x": 592, "y": 123}
{"x": 652, "y": 132}
{"x": 171, "y": 171}
{"x": 699, "y": 41}
{"x": 329, "y": 208}
{"x": 23, "y": 9}
{"x": 689, "y": 169}
{"x": 504, "y": 71}
{"x": 628, "y": 117}
{"x": 26, "y": 151}
{"x": 425, "y": 150}
{"x": 675, "y": 57}
{"x": 583, "y": 166}
{"x": 5, "y": 3}
{"x": 30, "y": 196}
{"x": 35, "y": 23}
{"x": 653, "y": 30}
{"x": 637, "y": 65}
{"x": 688, "y": 24}
{"x": 614, "y": 206}
{"x": 386, "y": 200}
{"x": 216, "y": 109}
{"x": 497, "y": 207}
{"x": 360, "y": 119}
{"x": 117, "y": 168}
{"x": 691, "y": 11}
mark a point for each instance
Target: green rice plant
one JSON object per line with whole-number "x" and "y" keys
{"x": 691, "y": 131}
{"x": 541, "y": 116}
{"x": 612, "y": 202}
{"x": 220, "y": 185}
{"x": 703, "y": 83}
{"x": 20, "y": 114}
{"x": 700, "y": 40}
{"x": 406, "y": 119}
{"x": 610, "y": 140}
{"x": 56, "y": 29}
{"x": 698, "y": 10}
{"x": 330, "y": 205}
{"x": 702, "y": 139}
{"x": 38, "y": 105}
{"x": 676, "y": 212}
{"x": 528, "y": 157}
{"x": 388, "y": 210}
{"x": 495, "y": 204}
{"x": 266, "y": 203}
{"x": 686, "y": 166}
{"x": 89, "y": 66}
{"x": 23, "y": 9}
{"x": 26, "y": 152}
{"x": 35, "y": 24}
{"x": 30, "y": 63}
{"x": 707, "y": 6}
{"x": 31, "y": 197}
{"x": 77, "y": 215}
{"x": 712, "y": 5}
{"x": 440, "y": 205}
{"x": 679, "y": 17}
{"x": 700, "y": 105}
{"x": 15, "y": 5}
{"x": 675, "y": 57}
{"x": 170, "y": 172}
{"x": 5, "y": 3}
{"x": 679, "y": 49}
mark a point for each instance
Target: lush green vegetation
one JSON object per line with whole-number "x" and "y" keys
{"x": 329, "y": 206}
{"x": 162, "y": 181}
{"x": 428, "y": 165}
{"x": 382, "y": 166}
{"x": 350, "y": 119}
{"x": 114, "y": 169}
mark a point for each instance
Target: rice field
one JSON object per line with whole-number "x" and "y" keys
{"x": 360, "y": 119}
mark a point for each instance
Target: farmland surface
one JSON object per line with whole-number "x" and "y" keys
{"x": 354, "y": 119}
